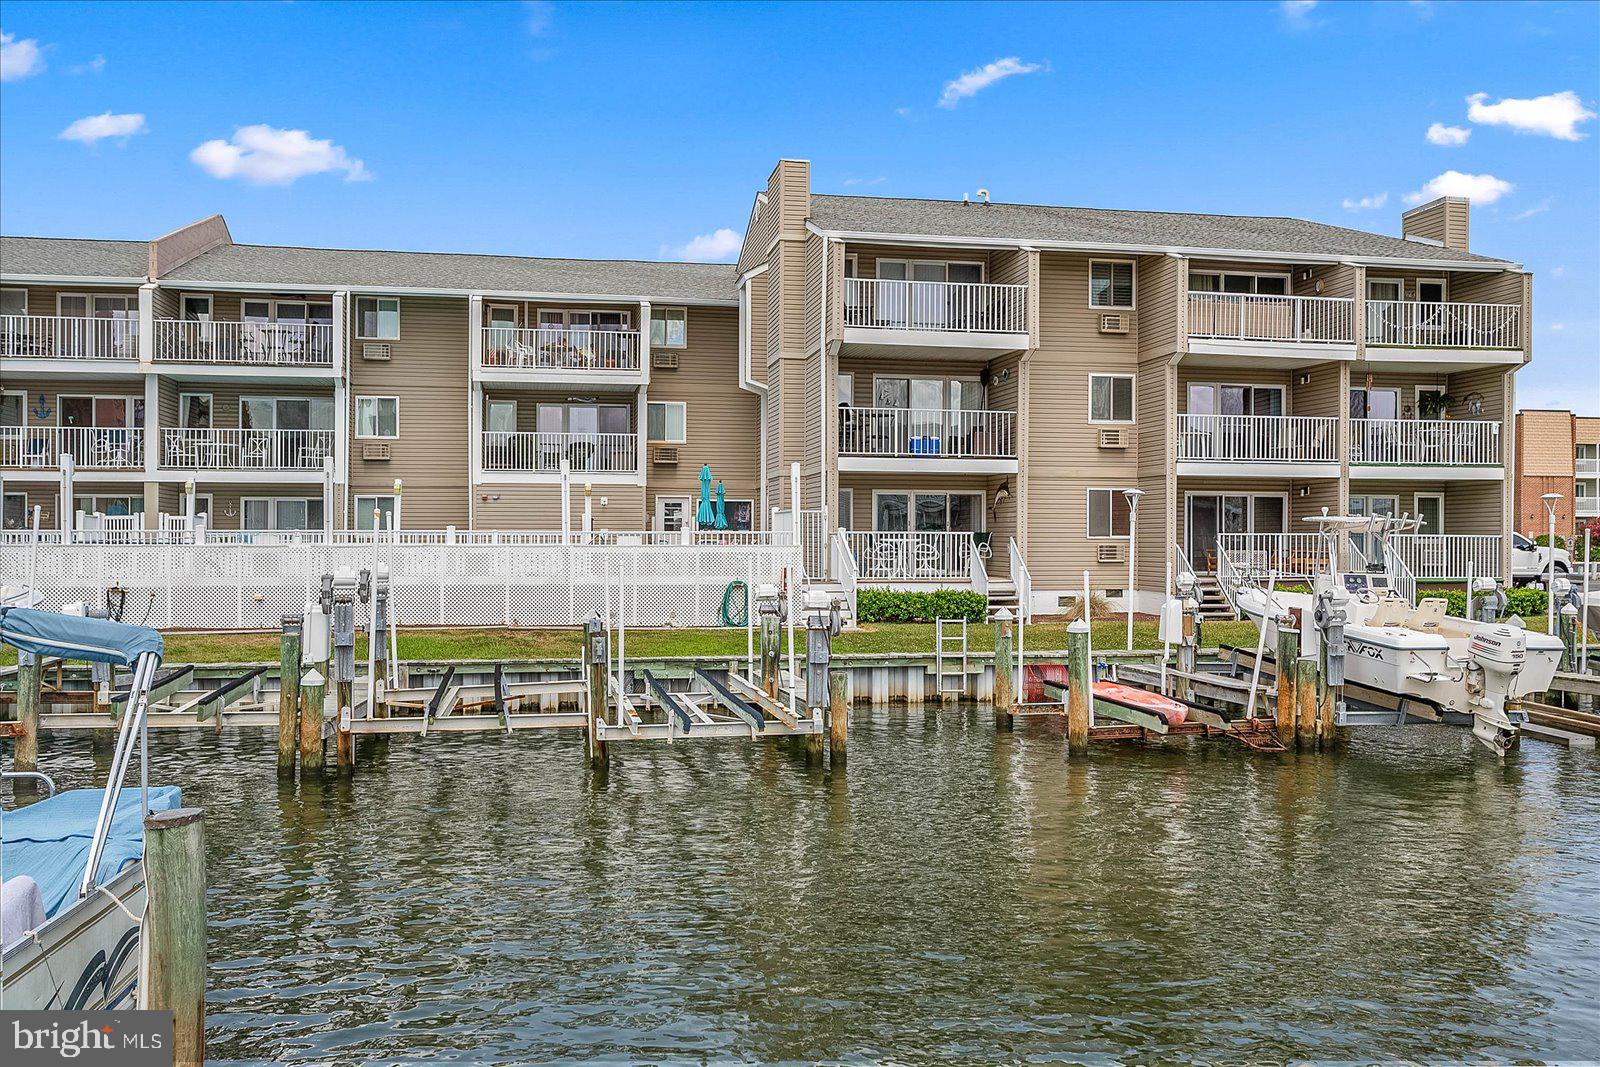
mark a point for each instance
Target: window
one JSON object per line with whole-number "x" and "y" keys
{"x": 668, "y": 423}
{"x": 1383, "y": 288}
{"x": 285, "y": 413}
{"x": 847, "y": 509}
{"x": 669, "y": 327}
{"x": 1110, "y": 398}
{"x": 109, "y": 505}
{"x": 1209, "y": 398}
{"x": 378, "y": 318}
{"x": 281, "y": 513}
{"x": 1430, "y": 290}
{"x": 195, "y": 307}
{"x": 377, "y": 416}
{"x": 387, "y": 509}
{"x": 15, "y": 514}
{"x": 1111, "y": 284}
{"x": 927, "y": 512}
{"x": 13, "y": 301}
{"x": 502, "y": 416}
{"x": 740, "y": 513}
{"x": 928, "y": 394}
{"x": 11, "y": 405}
{"x": 1430, "y": 509}
{"x": 844, "y": 387}
{"x": 1374, "y": 403}
{"x": 1108, "y": 513}
{"x": 194, "y": 411}
{"x": 102, "y": 412}
{"x": 1219, "y": 282}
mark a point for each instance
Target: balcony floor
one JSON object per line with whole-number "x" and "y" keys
{"x": 879, "y": 343}
{"x": 927, "y": 465}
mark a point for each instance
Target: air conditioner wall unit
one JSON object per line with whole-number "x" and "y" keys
{"x": 1113, "y": 322}
{"x": 664, "y": 455}
{"x": 664, "y": 360}
{"x": 1117, "y": 437}
{"x": 1111, "y": 552}
{"x": 378, "y": 350}
{"x": 375, "y": 450}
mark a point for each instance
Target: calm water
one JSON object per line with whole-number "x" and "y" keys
{"x": 959, "y": 895}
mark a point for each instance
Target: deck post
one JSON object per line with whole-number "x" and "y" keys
{"x": 820, "y": 617}
{"x": 1005, "y": 666}
{"x": 30, "y": 680}
{"x": 767, "y": 601}
{"x": 344, "y": 669}
{"x": 1080, "y": 687}
{"x": 313, "y": 688}
{"x": 1288, "y": 653}
{"x": 1305, "y": 702}
{"x": 596, "y": 656}
{"x": 288, "y": 692}
{"x": 838, "y": 718}
{"x": 175, "y": 924}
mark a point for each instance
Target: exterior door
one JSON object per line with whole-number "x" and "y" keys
{"x": 672, "y": 513}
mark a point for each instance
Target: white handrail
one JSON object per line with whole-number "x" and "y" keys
{"x": 68, "y": 337}
{"x": 844, "y": 569}
{"x": 586, "y": 453}
{"x": 269, "y": 344}
{"x": 1259, "y": 438}
{"x": 961, "y": 434}
{"x": 883, "y": 555}
{"x": 1253, "y": 317}
{"x": 1021, "y": 581}
{"x": 1424, "y": 442}
{"x": 234, "y": 449}
{"x": 1430, "y": 324}
{"x": 560, "y": 348}
{"x": 956, "y": 307}
{"x": 1446, "y": 557}
{"x": 91, "y": 447}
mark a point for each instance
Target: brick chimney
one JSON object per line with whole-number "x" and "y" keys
{"x": 1440, "y": 222}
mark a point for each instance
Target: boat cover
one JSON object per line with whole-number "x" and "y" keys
{"x": 50, "y": 633}
{"x": 49, "y": 841}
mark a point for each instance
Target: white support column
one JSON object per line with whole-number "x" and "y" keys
{"x": 147, "y": 325}
{"x": 152, "y": 423}
{"x": 340, "y": 333}
{"x": 644, "y": 340}
{"x": 643, "y": 403}
{"x": 341, "y": 403}
{"x": 642, "y": 417}
{"x": 474, "y": 405}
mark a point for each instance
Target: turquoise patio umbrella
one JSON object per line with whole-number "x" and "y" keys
{"x": 703, "y": 516}
{"x": 722, "y": 508}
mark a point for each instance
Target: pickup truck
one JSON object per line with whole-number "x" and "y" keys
{"x": 1531, "y": 562}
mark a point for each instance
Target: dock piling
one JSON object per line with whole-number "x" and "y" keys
{"x": 1005, "y": 696}
{"x": 1305, "y": 702}
{"x": 1288, "y": 653}
{"x": 313, "y": 689}
{"x": 30, "y": 682}
{"x": 175, "y": 878}
{"x": 1080, "y": 686}
{"x": 767, "y": 600}
{"x": 838, "y": 718}
{"x": 596, "y": 657}
{"x": 288, "y": 692}
{"x": 821, "y": 618}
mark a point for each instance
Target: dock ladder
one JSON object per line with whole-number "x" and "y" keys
{"x": 950, "y": 647}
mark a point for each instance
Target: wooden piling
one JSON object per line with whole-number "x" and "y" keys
{"x": 288, "y": 692}
{"x": 1188, "y": 655}
{"x": 1305, "y": 702}
{"x": 838, "y": 718}
{"x": 175, "y": 927}
{"x": 1288, "y": 653}
{"x": 1005, "y": 666}
{"x": 30, "y": 682}
{"x": 344, "y": 740}
{"x": 594, "y": 664}
{"x": 1080, "y": 688}
{"x": 313, "y": 688}
{"x": 770, "y": 648}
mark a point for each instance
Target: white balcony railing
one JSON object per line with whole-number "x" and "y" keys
{"x": 1251, "y": 317}
{"x": 884, "y": 556}
{"x": 1425, "y": 442}
{"x": 1586, "y": 468}
{"x": 91, "y": 447}
{"x": 927, "y": 432}
{"x": 269, "y": 344}
{"x": 954, "y": 307}
{"x": 1259, "y": 438}
{"x": 586, "y": 453}
{"x": 1586, "y": 507}
{"x": 1258, "y": 556}
{"x": 1445, "y": 557}
{"x": 68, "y": 337}
{"x": 253, "y": 450}
{"x": 557, "y": 348}
{"x": 1419, "y": 324}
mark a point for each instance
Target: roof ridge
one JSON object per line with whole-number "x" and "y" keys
{"x": 1076, "y": 207}
{"x": 479, "y": 255}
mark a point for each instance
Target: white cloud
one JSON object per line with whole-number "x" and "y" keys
{"x": 903, "y": 112}
{"x": 1297, "y": 13}
{"x": 714, "y": 247}
{"x": 1478, "y": 188}
{"x": 19, "y": 59}
{"x": 1538, "y": 209}
{"x": 1558, "y": 272}
{"x": 1448, "y": 136}
{"x": 975, "y": 81}
{"x": 94, "y": 128}
{"x": 864, "y": 181}
{"x": 1555, "y": 115}
{"x": 94, "y": 66}
{"x": 1558, "y": 326}
{"x": 266, "y": 155}
{"x": 1365, "y": 203}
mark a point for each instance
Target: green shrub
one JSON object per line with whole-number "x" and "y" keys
{"x": 900, "y": 605}
{"x": 1528, "y": 603}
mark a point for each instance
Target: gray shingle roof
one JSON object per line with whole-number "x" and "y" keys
{"x": 447, "y": 270}
{"x": 71, "y": 257}
{"x": 1114, "y": 229}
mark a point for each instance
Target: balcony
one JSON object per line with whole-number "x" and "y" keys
{"x": 1443, "y": 449}
{"x": 92, "y": 340}
{"x": 246, "y": 450}
{"x": 542, "y": 453}
{"x": 91, "y": 447}
{"x": 245, "y": 344}
{"x": 1289, "y": 446}
{"x": 1418, "y": 324}
{"x": 929, "y": 556}
{"x": 1586, "y": 507}
{"x": 912, "y": 439}
{"x": 561, "y": 354}
{"x": 1306, "y": 325}
{"x": 888, "y": 317}
{"x": 1449, "y": 557}
{"x": 1586, "y": 468}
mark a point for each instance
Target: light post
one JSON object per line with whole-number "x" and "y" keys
{"x": 1549, "y": 500}
{"x": 1132, "y": 496}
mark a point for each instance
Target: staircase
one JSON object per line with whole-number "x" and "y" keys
{"x": 1003, "y": 594}
{"x": 1213, "y": 604}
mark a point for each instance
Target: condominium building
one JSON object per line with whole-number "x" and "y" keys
{"x": 1557, "y": 452}
{"x": 968, "y": 390}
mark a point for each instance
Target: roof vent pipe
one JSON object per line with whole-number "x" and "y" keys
{"x": 985, "y": 194}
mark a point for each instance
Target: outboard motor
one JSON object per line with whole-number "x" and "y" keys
{"x": 1499, "y": 652}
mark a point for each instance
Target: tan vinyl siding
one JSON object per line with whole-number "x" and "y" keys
{"x": 758, "y": 328}
{"x": 42, "y": 298}
{"x": 538, "y": 507}
{"x": 229, "y": 497}
{"x": 53, "y": 388}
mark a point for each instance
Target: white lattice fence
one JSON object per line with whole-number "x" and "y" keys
{"x": 251, "y": 587}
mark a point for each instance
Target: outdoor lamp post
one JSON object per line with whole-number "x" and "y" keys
{"x": 1549, "y": 500}
{"x": 1132, "y": 496}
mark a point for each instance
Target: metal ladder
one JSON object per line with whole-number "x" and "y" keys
{"x": 951, "y": 645}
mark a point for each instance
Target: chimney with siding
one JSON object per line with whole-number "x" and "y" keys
{"x": 180, "y": 246}
{"x": 1438, "y": 222}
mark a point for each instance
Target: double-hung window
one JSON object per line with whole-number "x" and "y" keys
{"x": 1111, "y": 284}
{"x": 669, "y": 327}
{"x": 667, "y": 422}
{"x": 1108, "y": 513}
{"x": 1110, "y": 398}
{"x": 378, "y": 416}
{"x": 378, "y": 318}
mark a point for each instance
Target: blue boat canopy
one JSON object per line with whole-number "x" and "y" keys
{"x": 50, "y": 633}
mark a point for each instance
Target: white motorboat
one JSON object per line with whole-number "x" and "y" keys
{"x": 1461, "y": 667}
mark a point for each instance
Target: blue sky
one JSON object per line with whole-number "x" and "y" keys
{"x": 631, "y": 131}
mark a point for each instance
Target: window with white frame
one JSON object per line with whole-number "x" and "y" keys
{"x": 15, "y": 514}
{"x": 384, "y": 508}
{"x": 669, "y": 327}
{"x": 378, "y": 416}
{"x": 1210, "y": 281}
{"x": 194, "y": 411}
{"x": 101, "y": 504}
{"x": 896, "y": 512}
{"x": 1110, "y": 398}
{"x": 1108, "y": 513}
{"x": 13, "y": 301}
{"x": 12, "y": 401}
{"x": 1111, "y": 284}
{"x": 741, "y": 514}
{"x": 195, "y": 307}
{"x": 667, "y": 422}
{"x": 378, "y": 318}
{"x": 285, "y": 413}
{"x": 281, "y": 513}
